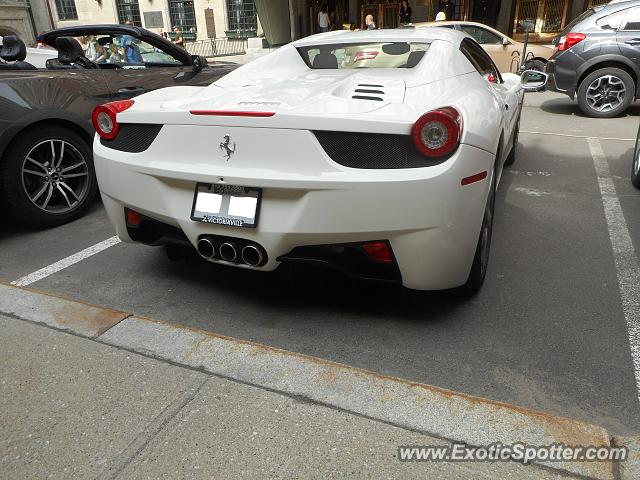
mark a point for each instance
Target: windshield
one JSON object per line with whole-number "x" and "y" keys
{"x": 124, "y": 50}
{"x": 363, "y": 55}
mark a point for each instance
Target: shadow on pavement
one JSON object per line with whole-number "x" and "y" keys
{"x": 564, "y": 106}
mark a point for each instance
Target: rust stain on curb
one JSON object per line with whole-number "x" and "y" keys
{"x": 58, "y": 312}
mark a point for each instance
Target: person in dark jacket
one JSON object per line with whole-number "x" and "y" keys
{"x": 405, "y": 13}
{"x": 447, "y": 7}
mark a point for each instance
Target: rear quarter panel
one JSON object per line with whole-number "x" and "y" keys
{"x": 471, "y": 95}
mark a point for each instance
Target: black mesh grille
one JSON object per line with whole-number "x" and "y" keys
{"x": 133, "y": 137}
{"x": 373, "y": 150}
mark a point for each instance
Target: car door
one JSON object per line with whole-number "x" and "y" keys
{"x": 492, "y": 43}
{"x": 628, "y": 36}
{"x": 133, "y": 66}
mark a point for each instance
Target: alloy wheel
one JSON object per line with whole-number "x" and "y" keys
{"x": 55, "y": 176}
{"x": 606, "y": 93}
{"x": 485, "y": 233}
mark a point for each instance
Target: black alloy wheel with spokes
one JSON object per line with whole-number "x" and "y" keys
{"x": 48, "y": 177}
{"x": 481, "y": 259}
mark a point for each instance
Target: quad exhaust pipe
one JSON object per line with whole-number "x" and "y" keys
{"x": 252, "y": 256}
{"x": 206, "y": 249}
{"x": 243, "y": 252}
{"x": 228, "y": 252}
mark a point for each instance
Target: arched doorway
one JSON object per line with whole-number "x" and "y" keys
{"x": 4, "y": 31}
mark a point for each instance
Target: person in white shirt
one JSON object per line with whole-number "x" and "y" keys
{"x": 371, "y": 25}
{"x": 324, "y": 22}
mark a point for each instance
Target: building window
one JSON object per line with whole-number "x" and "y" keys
{"x": 546, "y": 17}
{"x": 243, "y": 21}
{"x": 129, "y": 11}
{"x": 66, "y": 10}
{"x": 183, "y": 15}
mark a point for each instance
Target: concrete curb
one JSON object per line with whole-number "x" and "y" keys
{"x": 437, "y": 412}
{"x": 86, "y": 320}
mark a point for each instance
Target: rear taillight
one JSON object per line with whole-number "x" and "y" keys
{"x": 569, "y": 40}
{"x": 437, "y": 133}
{"x": 366, "y": 55}
{"x": 104, "y": 118}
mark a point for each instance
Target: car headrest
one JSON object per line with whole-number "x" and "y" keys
{"x": 13, "y": 49}
{"x": 325, "y": 60}
{"x": 414, "y": 58}
{"x": 69, "y": 49}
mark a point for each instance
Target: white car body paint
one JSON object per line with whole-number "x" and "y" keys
{"x": 431, "y": 221}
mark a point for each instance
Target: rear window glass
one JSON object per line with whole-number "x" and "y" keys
{"x": 364, "y": 55}
{"x": 584, "y": 15}
{"x": 612, "y": 21}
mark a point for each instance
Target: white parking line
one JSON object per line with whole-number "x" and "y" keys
{"x": 65, "y": 262}
{"x": 624, "y": 255}
{"x": 577, "y": 136}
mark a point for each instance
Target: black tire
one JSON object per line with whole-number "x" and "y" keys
{"x": 604, "y": 87}
{"x": 22, "y": 178}
{"x": 635, "y": 165}
{"x": 535, "y": 64}
{"x": 514, "y": 149}
{"x": 480, "y": 260}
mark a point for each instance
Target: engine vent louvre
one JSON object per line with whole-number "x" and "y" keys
{"x": 366, "y": 97}
{"x": 370, "y": 92}
{"x": 365, "y": 90}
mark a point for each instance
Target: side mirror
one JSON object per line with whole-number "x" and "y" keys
{"x": 505, "y": 41}
{"x": 533, "y": 81}
{"x": 198, "y": 63}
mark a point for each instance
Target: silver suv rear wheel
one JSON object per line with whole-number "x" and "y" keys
{"x": 607, "y": 92}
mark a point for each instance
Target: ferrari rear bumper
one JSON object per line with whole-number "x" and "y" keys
{"x": 428, "y": 217}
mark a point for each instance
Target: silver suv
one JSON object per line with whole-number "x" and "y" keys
{"x": 597, "y": 59}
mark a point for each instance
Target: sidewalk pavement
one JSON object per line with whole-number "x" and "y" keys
{"x": 87, "y": 392}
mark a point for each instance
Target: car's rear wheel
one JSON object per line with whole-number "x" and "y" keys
{"x": 48, "y": 177}
{"x": 605, "y": 93}
{"x": 481, "y": 259}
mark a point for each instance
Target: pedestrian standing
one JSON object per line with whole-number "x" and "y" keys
{"x": 324, "y": 22}
{"x": 371, "y": 25}
{"x": 178, "y": 40}
{"x": 405, "y": 13}
{"x": 447, "y": 7}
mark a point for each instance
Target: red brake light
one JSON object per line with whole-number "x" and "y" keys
{"x": 438, "y": 133}
{"x": 104, "y": 118}
{"x": 366, "y": 55}
{"x": 379, "y": 252}
{"x": 231, "y": 113}
{"x": 569, "y": 40}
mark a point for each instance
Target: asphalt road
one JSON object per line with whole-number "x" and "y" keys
{"x": 547, "y": 331}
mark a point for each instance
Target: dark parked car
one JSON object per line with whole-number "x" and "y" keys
{"x": 597, "y": 59}
{"x": 46, "y": 166}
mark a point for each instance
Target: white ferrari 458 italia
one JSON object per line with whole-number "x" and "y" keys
{"x": 376, "y": 153}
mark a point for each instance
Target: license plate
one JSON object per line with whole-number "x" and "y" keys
{"x": 231, "y": 205}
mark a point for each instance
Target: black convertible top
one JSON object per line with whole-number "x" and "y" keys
{"x": 49, "y": 38}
